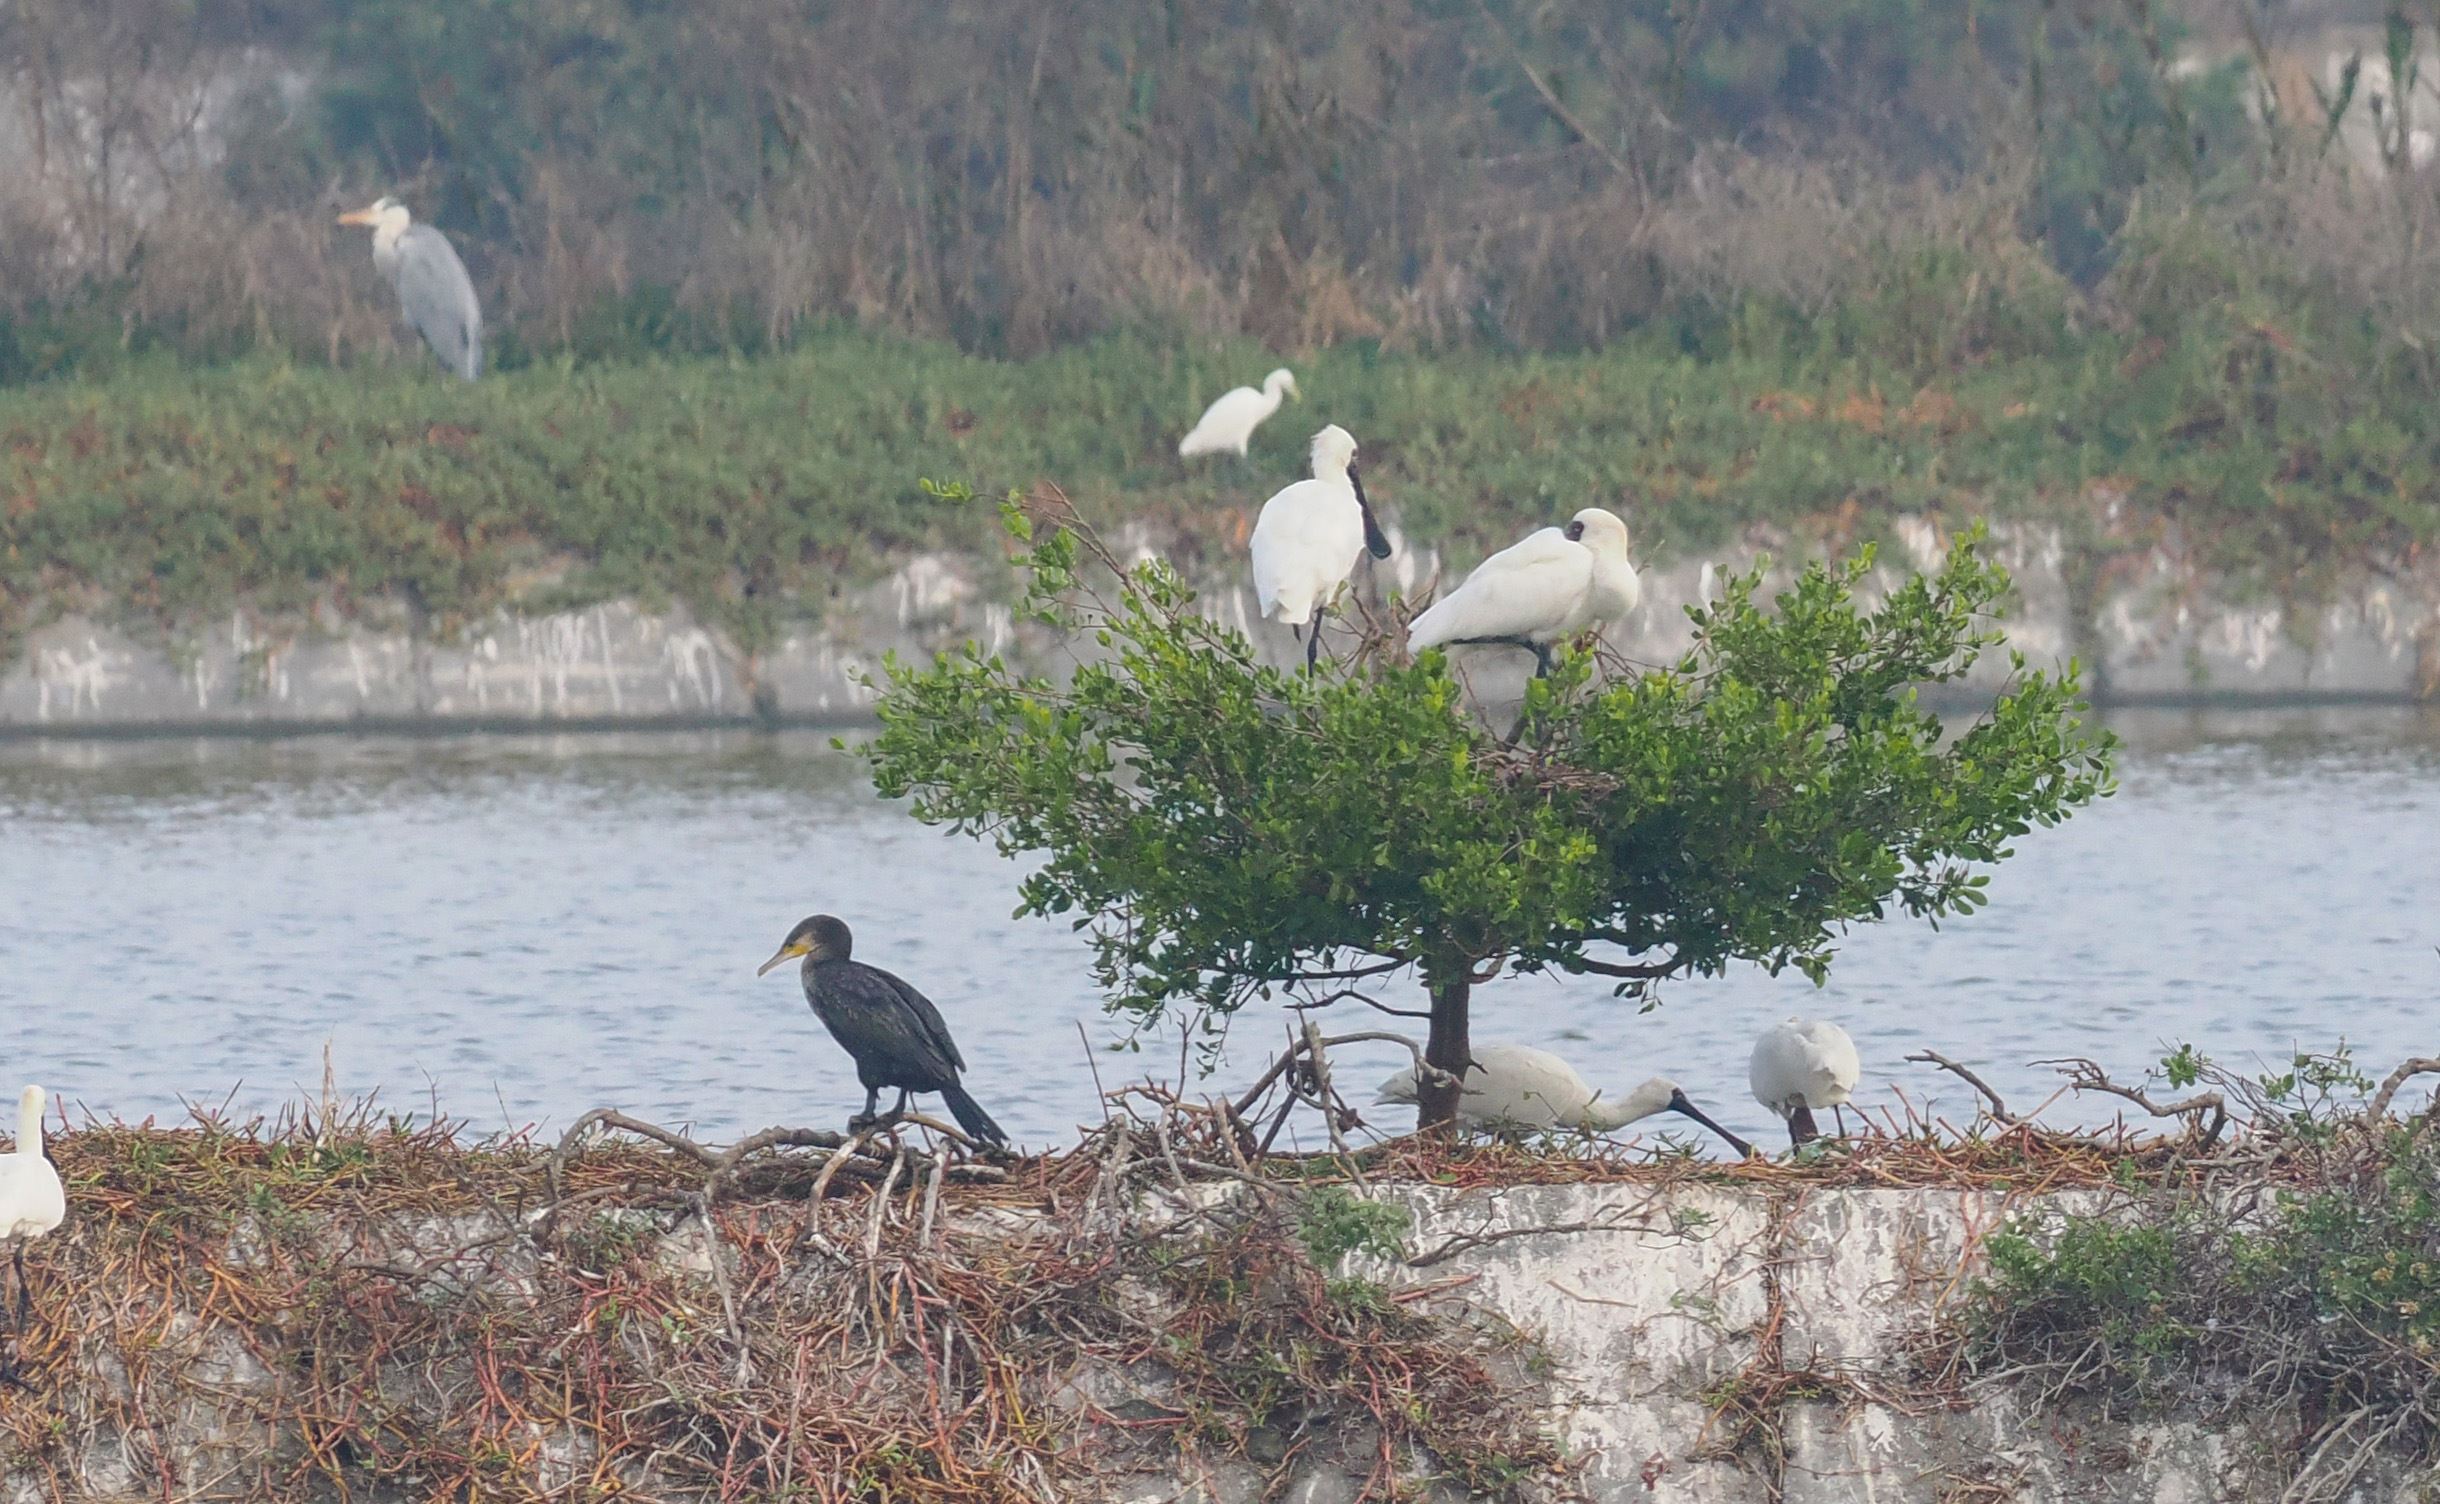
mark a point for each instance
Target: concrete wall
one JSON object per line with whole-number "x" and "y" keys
{"x": 2152, "y": 626}
{"x": 1653, "y": 1307}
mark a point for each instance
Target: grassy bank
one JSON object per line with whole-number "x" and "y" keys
{"x": 752, "y": 490}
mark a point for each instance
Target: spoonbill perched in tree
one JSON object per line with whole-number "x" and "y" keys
{"x": 1515, "y": 1088}
{"x": 1801, "y": 1066}
{"x": 1556, "y": 584}
{"x": 1229, "y": 423}
{"x": 31, "y": 1201}
{"x": 1309, "y": 536}
{"x": 434, "y": 291}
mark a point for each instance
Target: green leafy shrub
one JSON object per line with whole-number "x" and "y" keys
{"x": 1226, "y": 828}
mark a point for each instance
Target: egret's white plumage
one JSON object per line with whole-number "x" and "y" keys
{"x": 1554, "y": 585}
{"x": 1228, "y": 425}
{"x": 31, "y": 1200}
{"x": 1515, "y": 1088}
{"x": 434, "y": 291}
{"x": 1309, "y": 536}
{"x": 1800, "y": 1067}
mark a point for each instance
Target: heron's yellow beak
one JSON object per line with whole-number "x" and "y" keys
{"x": 788, "y": 952}
{"x": 357, "y": 217}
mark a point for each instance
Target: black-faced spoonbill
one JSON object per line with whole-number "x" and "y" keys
{"x": 1515, "y": 1088}
{"x": 893, "y": 1033}
{"x": 1554, "y": 585}
{"x": 1800, "y": 1067}
{"x": 1309, "y": 537}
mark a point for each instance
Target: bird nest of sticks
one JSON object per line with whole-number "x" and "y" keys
{"x": 342, "y": 1304}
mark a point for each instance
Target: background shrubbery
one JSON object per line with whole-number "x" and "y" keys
{"x": 1930, "y": 182}
{"x": 753, "y": 267}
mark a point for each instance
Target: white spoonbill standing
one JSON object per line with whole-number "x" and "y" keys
{"x": 1800, "y": 1067}
{"x": 1309, "y": 536}
{"x": 1556, "y": 584}
{"x": 31, "y": 1201}
{"x": 434, "y": 291}
{"x": 1229, "y": 423}
{"x": 1515, "y": 1088}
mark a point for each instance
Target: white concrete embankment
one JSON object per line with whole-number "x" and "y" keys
{"x": 2149, "y": 625}
{"x": 1688, "y": 1344}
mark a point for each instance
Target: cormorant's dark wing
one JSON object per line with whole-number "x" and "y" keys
{"x": 927, "y": 1017}
{"x": 892, "y": 1040}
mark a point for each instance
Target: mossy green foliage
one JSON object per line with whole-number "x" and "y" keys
{"x": 754, "y": 490}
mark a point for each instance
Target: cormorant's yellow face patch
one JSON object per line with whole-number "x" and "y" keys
{"x": 787, "y": 952}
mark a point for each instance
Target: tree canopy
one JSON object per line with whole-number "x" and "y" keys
{"x": 1227, "y": 829}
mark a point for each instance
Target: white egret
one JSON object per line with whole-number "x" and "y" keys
{"x": 434, "y": 291}
{"x": 1229, "y": 423}
{"x": 1309, "y": 536}
{"x": 1801, "y": 1066}
{"x": 31, "y": 1201}
{"x": 1515, "y": 1088}
{"x": 1554, "y": 585}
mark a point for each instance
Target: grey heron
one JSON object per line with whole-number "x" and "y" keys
{"x": 434, "y": 291}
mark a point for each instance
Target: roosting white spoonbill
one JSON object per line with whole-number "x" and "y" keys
{"x": 31, "y": 1201}
{"x": 1515, "y": 1088}
{"x": 1800, "y": 1067}
{"x": 1228, "y": 425}
{"x": 434, "y": 291}
{"x": 1309, "y": 536}
{"x": 1555, "y": 584}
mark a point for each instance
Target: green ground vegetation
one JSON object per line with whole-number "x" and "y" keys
{"x": 2282, "y": 449}
{"x": 2300, "y": 1268}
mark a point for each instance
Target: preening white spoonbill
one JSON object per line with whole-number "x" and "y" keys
{"x": 1309, "y": 536}
{"x": 1554, "y": 585}
{"x": 31, "y": 1201}
{"x": 1800, "y": 1067}
{"x": 1229, "y": 423}
{"x": 1515, "y": 1088}
{"x": 434, "y": 291}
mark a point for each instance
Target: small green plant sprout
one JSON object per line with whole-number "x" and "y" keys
{"x": 1333, "y": 1222}
{"x": 1227, "y": 830}
{"x": 2182, "y": 1067}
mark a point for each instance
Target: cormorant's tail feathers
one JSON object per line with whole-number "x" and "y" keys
{"x": 970, "y": 1116}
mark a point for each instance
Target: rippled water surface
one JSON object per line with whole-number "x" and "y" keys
{"x": 522, "y": 928}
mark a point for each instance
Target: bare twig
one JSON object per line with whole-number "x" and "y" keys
{"x": 2206, "y": 1113}
{"x": 1998, "y": 1108}
{"x": 2420, "y": 1065}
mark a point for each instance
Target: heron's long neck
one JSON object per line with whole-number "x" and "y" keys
{"x": 29, "y": 1126}
{"x": 386, "y": 233}
{"x": 1274, "y": 392}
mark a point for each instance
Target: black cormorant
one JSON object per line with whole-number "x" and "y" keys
{"x": 895, "y": 1035}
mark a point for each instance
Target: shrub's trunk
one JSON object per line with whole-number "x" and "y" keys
{"x": 1448, "y": 1048}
